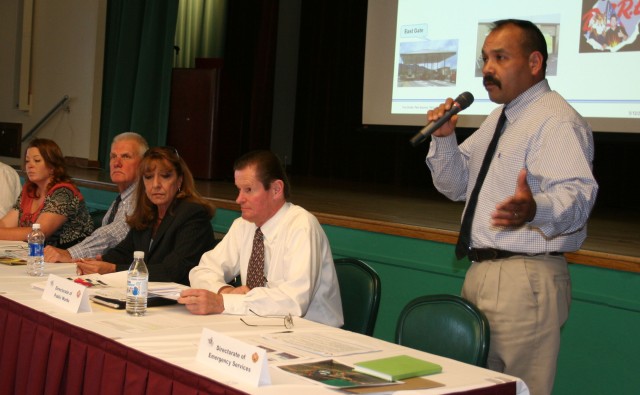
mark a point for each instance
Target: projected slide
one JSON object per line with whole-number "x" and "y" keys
{"x": 593, "y": 46}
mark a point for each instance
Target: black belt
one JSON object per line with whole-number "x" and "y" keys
{"x": 487, "y": 254}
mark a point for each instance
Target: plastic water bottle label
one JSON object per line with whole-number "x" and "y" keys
{"x": 36, "y": 249}
{"x": 137, "y": 288}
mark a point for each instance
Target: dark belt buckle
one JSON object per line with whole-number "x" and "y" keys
{"x": 483, "y": 254}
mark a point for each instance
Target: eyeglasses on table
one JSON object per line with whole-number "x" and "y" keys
{"x": 287, "y": 320}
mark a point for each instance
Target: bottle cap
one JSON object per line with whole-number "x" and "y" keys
{"x": 35, "y": 226}
{"x": 138, "y": 254}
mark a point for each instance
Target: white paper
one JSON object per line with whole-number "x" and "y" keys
{"x": 320, "y": 344}
{"x": 166, "y": 290}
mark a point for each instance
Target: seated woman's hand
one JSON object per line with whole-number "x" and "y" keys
{"x": 91, "y": 266}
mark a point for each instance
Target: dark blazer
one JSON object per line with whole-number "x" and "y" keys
{"x": 183, "y": 236}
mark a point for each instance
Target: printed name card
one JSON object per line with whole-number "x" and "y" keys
{"x": 233, "y": 357}
{"x": 66, "y": 294}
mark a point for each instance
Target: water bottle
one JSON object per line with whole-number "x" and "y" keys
{"x": 35, "y": 262}
{"x": 137, "y": 281}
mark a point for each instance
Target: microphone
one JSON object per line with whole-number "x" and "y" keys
{"x": 463, "y": 101}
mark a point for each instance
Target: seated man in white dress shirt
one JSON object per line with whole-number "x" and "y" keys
{"x": 127, "y": 150}
{"x": 296, "y": 274}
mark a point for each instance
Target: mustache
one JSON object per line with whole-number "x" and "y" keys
{"x": 489, "y": 79}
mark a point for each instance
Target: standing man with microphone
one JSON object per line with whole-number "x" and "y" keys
{"x": 526, "y": 176}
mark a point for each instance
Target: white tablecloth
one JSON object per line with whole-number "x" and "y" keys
{"x": 172, "y": 334}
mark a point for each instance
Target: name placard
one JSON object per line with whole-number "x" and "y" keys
{"x": 66, "y": 294}
{"x": 233, "y": 357}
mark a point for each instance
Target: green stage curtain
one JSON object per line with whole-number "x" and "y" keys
{"x": 137, "y": 70}
{"x": 199, "y": 31}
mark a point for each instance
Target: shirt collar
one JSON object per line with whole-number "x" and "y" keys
{"x": 517, "y": 105}
{"x": 128, "y": 192}
{"x": 269, "y": 228}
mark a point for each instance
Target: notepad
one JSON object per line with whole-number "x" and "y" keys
{"x": 12, "y": 260}
{"x": 397, "y": 368}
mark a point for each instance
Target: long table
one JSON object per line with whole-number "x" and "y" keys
{"x": 46, "y": 350}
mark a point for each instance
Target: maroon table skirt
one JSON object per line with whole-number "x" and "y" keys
{"x": 44, "y": 355}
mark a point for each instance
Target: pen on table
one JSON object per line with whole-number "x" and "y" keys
{"x": 105, "y": 303}
{"x": 83, "y": 282}
{"x": 94, "y": 281}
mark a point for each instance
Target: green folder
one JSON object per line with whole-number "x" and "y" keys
{"x": 397, "y": 368}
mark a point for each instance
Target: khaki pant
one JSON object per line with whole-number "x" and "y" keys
{"x": 526, "y": 300}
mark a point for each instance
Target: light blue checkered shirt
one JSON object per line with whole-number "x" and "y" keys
{"x": 107, "y": 236}
{"x": 543, "y": 134}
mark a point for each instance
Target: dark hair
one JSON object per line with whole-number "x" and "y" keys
{"x": 533, "y": 39}
{"x": 146, "y": 213}
{"x": 53, "y": 159}
{"x": 268, "y": 168}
